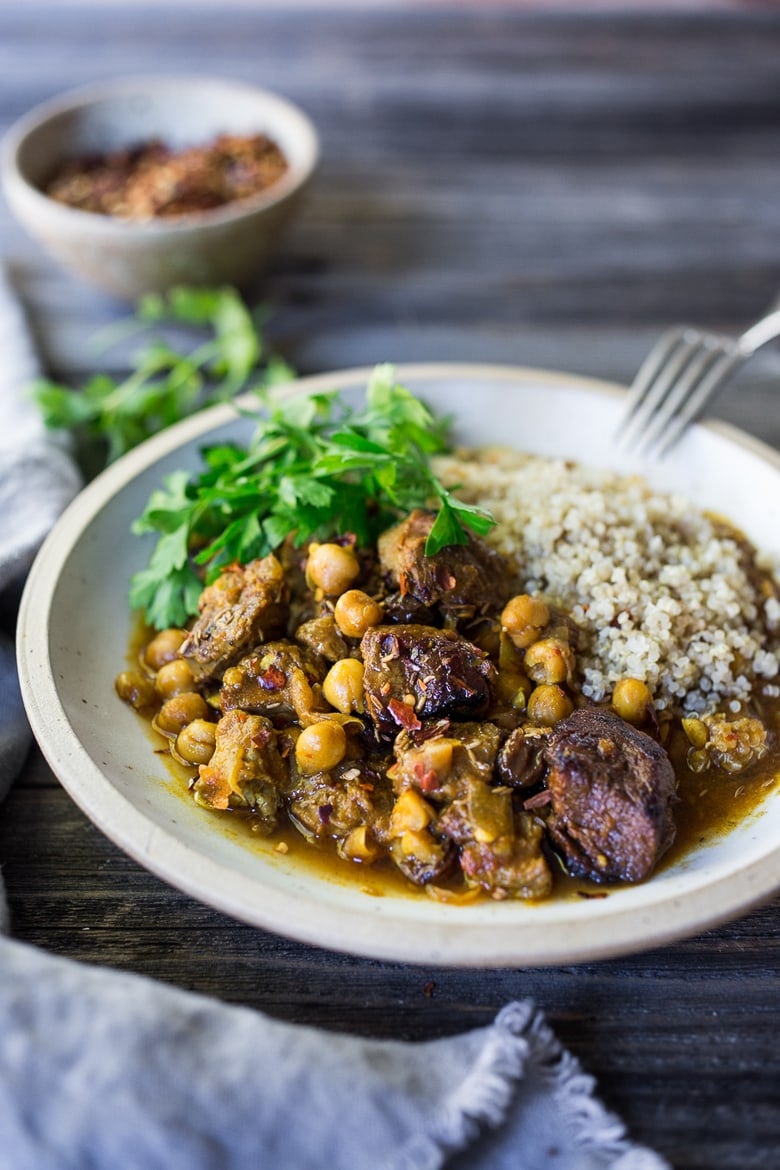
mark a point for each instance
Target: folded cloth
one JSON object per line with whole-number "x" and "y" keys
{"x": 38, "y": 479}
{"x": 37, "y": 475}
{"x": 114, "y": 1072}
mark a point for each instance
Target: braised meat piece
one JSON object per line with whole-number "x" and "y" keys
{"x": 277, "y": 680}
{"x": 501, "y": 850}
{"x": 612, "y": 788}
{"x": 512, "y": 865}
{"x": 422, "y": 857}
{"x": 416, "y": 843}
{"x": 443, "y": 774}
{"x": 333, "y": 804}
{"x": 322, "y": 636}
{"x": 463, "y": 579}
{"x": 245, "y": 771}
{"x": 243, "y": 607}
{"x": 442, "y": 759}
{"x": 521, "y": 762}
{"x": 416, "y": 672}
{"x": 402, "y": 609}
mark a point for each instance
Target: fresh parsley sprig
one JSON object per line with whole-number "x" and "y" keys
{"x": 314, "y": 468}
{"x": 165, "y": 384}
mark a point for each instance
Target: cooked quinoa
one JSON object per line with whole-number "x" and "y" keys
{"x": 664, "y": 592}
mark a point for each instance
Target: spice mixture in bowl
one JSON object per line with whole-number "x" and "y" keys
{"x": 140, "y": 184}
{"x": 152, "y": 179}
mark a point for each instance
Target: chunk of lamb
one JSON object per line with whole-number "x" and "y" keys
{"x": 244, "y": 606}
{"x": 521, "y": 762}
{"x": 453, "y": 766}
{"x": 612, "y": 788}
{"x": 246, "y": 770}
{"x": 416, "y": 672}
{"x": 322, "y": 636}
{"x": 443, "y": 759}
{"x": 433, "y": 765}
{"x": 511, "y": 865}
{"x": 463, "y": 579}
{"x": 278, "y": 680}
{"x": 354, "y": 795}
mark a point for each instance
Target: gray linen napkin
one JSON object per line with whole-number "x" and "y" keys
{"x": 109, "y": 1071}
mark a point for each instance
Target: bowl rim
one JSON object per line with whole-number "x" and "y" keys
{"x": 702, "y": 908}
{"x": 70, "y": 101}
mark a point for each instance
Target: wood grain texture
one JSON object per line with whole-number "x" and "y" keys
{"x": 512, "y": 186}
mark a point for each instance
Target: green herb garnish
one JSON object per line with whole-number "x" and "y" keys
{"x": 314, "y": 468}
{"x": 166, "y": 385}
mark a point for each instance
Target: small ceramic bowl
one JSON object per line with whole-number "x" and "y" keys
{"x": 227, "y": 244}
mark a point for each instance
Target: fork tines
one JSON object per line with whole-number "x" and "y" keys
{"x": 675, "y": 381}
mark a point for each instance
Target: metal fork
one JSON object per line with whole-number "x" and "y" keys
{"x": 682, "y": 372}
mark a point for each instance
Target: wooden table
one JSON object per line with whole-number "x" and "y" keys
{"x": 514, "y": 186}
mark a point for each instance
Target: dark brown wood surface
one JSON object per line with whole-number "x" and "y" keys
{"x": 497, "y": 184}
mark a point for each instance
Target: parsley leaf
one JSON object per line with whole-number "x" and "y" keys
{"x": 314, "y": 468}
{"x": 166, "y": 385}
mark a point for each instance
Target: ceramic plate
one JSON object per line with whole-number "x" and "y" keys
{"x": 73, "y": 634}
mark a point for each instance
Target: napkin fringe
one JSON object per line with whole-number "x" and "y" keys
{"x": 520, "y": 1036}
{"x": 481, "y": 1099}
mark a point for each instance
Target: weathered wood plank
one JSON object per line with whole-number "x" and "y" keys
{"x": 498, "y": 184}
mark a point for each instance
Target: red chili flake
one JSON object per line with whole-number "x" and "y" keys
{"x": 429, "y": 782}
{"x": 402, "y": 585}
{"x": 367, "y": 787}
{"x": 538, "y": 800}
{"x": 427, "y": 779}
{"x": 429, "y": 989}
{"x": 273, "y": 679}
{"x": 262, "y": 738}
{"x": 323, "y": 812}
{"x": 403, "y": 714}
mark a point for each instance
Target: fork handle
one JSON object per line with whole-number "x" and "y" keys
{"x": 764, "y": 331}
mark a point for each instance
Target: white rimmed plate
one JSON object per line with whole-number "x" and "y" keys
{"x": 74, "y": 627}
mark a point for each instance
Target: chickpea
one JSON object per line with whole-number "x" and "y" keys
{"x": 631, "y": 700}
{"x": 358, "y": 846}
{"x": 549, "y": 661}
{"x": 548, "y": 704}
{"x": 511, "y": 684}
{"x": 195, "y": 743}
{"x": 177, "y": 712}
{"x": 320, "y": 747}
{"x": 343, "y": 686}
{"x": 175, "y": 678}
{"x": 356, "y": 612}
{"x": 136, "y": 689}
{"x": 697, "y": 732}
{"x": 524, "y": 617}
{"x": 331, "y": 568}
{"x": 163, "y": 648}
